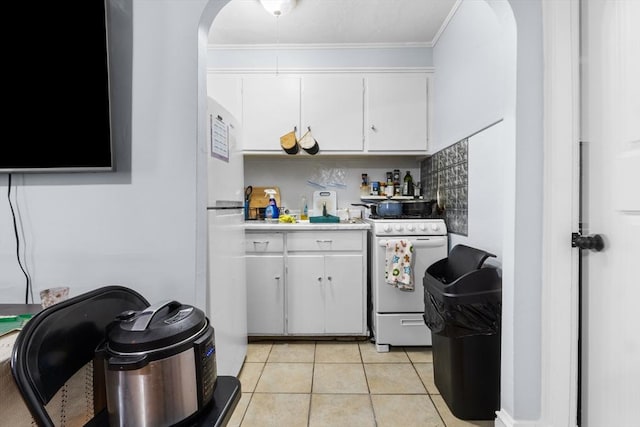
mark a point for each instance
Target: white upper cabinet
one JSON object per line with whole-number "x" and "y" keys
{"x": 332, "y": 107}
{"x": 347, "y": 112}
{"x": 227, "y": 91}
{"x": 396, "y": 119}
{"x": 270, "y": 109}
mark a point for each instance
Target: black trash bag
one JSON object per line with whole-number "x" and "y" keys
{"x": 462, "y": 298}
{"x": 462, "y": 320}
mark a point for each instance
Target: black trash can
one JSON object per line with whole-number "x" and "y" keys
{"x": 463, "y": 301}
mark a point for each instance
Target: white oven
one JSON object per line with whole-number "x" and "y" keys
{"x": 396, "y": 315}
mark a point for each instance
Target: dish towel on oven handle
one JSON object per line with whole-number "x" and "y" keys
{"x": 398, "y": 264}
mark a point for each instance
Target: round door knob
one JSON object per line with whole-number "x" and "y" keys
{"x": 593, "y": 242}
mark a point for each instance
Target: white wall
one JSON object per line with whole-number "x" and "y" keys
{"x": 469, "y": 77}
{"x": 485, "y": 193}
{"x": 137, "y": 226}
{"x": 469, "y": 96}
{"x": 351, "y": 57}
{"x": 491, "y": 56}
{"x": 291, "y": 174}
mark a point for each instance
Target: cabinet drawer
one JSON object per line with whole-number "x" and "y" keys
{"x": 325, "y": 241}
{"x": 263, "y": 243}
{"x": 402, "y": 329}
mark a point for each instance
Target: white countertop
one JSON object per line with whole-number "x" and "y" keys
{"x": 302, "y": 226}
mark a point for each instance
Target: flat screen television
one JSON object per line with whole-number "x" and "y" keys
{"x": 58, "y": 89}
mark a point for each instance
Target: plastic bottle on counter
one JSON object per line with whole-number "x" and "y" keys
{"x": 407, "y": 187}
{"x": 271, "y": 211}
{"x": 304, "y": 209}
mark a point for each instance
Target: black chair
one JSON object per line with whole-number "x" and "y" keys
{"x": 61, "y": 340}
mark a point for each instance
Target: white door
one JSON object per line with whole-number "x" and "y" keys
{"x": 305, "y": 294}
{"x": 332, "y": 109}
{"x": 227, "y": 305}
{"x": 270, "y": 109}
{"x": 389, "y": 299}
{"x": 611, "y": 207}
{"x": 344, "y": 302}
{"x": 396, "y": 113}
{"x": 265, "y": 294}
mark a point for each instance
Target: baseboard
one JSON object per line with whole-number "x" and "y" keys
{"x": 503, "y": 419}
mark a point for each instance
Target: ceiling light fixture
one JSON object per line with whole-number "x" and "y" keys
{"x": 278, "y": 7}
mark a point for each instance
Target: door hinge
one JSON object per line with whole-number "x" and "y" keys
{"x": 593, "y": 242}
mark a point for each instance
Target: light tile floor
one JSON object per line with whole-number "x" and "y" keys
{"x": 340, "y": 383}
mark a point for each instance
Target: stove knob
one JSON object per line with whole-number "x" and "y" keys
{"x": 410, "y": 227}
{"x": 423, "y": 227}
{"x": 435, "y": 227}
{"x": 398, "y": 227}
{"x": 386, "y": 228}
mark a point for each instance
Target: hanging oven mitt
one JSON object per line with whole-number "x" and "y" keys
{"x": 289, "y": 142}
{"x": 308, "y": 143}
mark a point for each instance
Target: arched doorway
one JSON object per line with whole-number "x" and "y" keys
{"x": 522, "y": 386}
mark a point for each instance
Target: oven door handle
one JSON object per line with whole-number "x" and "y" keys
{"x": 419, "y": 243}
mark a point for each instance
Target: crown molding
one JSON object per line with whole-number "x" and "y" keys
{"x": 327, "y": 46}
{"x": 335, "y": 70}
{"x": 445, "y": 23}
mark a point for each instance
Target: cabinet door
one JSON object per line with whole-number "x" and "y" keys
{"x": 332, "y": 106}
{"x": 265, "y": 294}
{"x": 344, "y": 294}
{"x": 270, "y": 109}
{"x": 227, "y": 91}
{"x": 305, "y": 299}
{"x": 397, "y": 113}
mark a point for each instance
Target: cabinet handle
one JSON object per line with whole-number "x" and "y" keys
{"x": 411, "y": 322}
{"x": 329, "y": 278}
{"x": 319, "y": 279}
{"x": 263, "y": 242}
{"x": 277, "y": 278}
{"x": 373, "y": 128}
{"x": 324, "y": 241}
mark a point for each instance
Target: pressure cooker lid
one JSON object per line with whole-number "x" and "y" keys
{"x": 157, "y": 327}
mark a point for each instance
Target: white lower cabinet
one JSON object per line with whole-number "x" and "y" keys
{"x": 325, "y": 294}
{"x": 323, "y": 291}
{"x": 265, "y": 283}
{"x": 326, "y": 284}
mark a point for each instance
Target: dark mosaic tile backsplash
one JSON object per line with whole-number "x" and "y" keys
{"x": 448, "y": 169}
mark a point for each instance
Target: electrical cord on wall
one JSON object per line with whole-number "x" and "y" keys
{"x": 29, "y": 288}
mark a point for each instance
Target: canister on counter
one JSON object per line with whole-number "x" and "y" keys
{"x": 389, "y": 190}
{"x": 365, "y": 190}
{"x": 375, "y": 188}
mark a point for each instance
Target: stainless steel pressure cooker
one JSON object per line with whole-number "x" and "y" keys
{"x": 160, "y": 365}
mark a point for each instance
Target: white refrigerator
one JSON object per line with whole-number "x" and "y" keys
{"x": 227, "y": 289}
